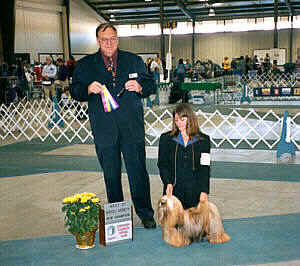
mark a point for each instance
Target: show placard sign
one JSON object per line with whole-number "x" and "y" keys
{"x": 116, "y": 223}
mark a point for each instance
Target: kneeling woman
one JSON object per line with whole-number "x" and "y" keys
{"x": 184, "y": 158}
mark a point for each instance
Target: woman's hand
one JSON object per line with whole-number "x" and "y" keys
{"x": 169, "y": 190}
{"x": 203, "y": 196}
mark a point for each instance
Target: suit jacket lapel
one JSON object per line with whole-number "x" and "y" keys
{"x": 99, "y": 67}
{"x": 122, "y": 65}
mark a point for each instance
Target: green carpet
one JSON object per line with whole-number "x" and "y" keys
{"x": 254, "y": 241}
{"x": 25, "y": 158}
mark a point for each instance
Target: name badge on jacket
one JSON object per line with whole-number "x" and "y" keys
{"x": 133, "y": 75}
{"x": 205, "y": 159}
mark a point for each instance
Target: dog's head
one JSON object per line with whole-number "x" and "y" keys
{"x": 169, "y": 211}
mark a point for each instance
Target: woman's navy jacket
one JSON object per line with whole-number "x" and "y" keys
{"x": 188, "y": 163}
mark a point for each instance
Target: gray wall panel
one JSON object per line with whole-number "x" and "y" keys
{"x": 83, "y": 24}
{"x": 39, "y": 27}
{"x": 140, "y": 44}
{"x": 37, "y": 31}
{"x": 214, "y": 45}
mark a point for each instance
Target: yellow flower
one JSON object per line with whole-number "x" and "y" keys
{"x": 95, "y": 200}
{"x": 87, "y": 207}
{"x": 73, "y": 199}
{"x": 82, "y": 210}
{"x": 77, "y": 196}
{"x": 67, "y": 200}
{"x": 73, "y": 213}
{"x": 88, "y": 194}
{"x": 84, "y": 200}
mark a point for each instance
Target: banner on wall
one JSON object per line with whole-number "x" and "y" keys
{"x": 278, "y": 54}
{"x": 297, "y": 91}
{"x": 276, "y": 91}
{"x": 266, "y": 92}
{"x": 286, "y": 91}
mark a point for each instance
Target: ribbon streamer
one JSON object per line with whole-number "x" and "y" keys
{"x": 109, "y": 103}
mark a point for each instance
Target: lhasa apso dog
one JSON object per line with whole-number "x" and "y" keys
{"x": 181, "y": 227}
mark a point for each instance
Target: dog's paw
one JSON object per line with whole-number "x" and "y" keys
{"x": 219, "y": 238}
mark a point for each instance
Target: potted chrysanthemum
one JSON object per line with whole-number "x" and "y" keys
{"x": 82, "y": 217}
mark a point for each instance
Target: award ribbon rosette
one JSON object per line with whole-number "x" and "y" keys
{"x": 109, "y": 103}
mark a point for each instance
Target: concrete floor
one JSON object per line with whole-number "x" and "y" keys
{"x": 31, "y": 204}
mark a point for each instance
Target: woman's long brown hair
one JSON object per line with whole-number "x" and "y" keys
{"x": 185, "y": 110}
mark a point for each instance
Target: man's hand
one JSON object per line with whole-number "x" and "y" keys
{"x": 95, "y": 87}
{"x": 133, "y": 85}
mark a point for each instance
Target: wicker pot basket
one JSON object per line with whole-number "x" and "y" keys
{"x": 85, "y": 241}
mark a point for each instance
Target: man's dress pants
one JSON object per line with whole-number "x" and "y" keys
{"x": 134, "y": 157}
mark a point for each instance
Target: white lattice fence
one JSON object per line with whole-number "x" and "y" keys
{"x": 258, "y": 80}
{"x": 27, "y": 120}
{"x": 232, "y": 86}
{"x": 234, "y": 128}
{"x": 270, "y": 80}
{"x": 35, "y": 120}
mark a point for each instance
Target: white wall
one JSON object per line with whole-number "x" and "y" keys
{"x": 83, "y": 24}
{"x": 214, "y": 45}
{"x": 39, "y": 30}
{"x": 38, "y": 27}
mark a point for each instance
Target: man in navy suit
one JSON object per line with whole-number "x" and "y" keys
{"x": 121, "y": 130}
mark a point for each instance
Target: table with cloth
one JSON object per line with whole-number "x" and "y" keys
{"x": 202, "y": 86}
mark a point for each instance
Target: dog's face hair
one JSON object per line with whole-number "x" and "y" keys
{"x": 169, "y": 211}
{"x": 162, "y": 211}
{"x": 170, "y": 217}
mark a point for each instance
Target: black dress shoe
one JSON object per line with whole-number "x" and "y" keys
{"x": 149, "y": 223}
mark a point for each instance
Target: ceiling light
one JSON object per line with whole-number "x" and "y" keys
{"x": 148, "y": 0}
{"x": 211, "y": 12}
{"x": 112, "y": 17}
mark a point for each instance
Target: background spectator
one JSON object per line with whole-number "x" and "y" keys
{"x": 71, "y": 64}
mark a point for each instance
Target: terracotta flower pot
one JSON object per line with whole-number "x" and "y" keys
{"x": 85, "y": 241}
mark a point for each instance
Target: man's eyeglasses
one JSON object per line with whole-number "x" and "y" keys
{"x": 108, "y": 40}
